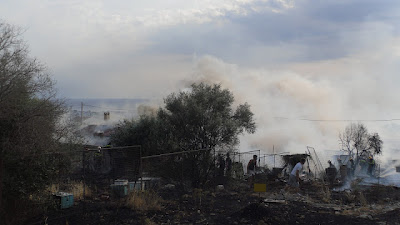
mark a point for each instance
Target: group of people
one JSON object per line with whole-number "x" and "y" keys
{"x": 224, "y": 165}
{"x": 294, "y": 178}
{"x": 366, "y": 165}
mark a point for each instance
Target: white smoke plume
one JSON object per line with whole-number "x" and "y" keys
{"x": 356, "y": 88}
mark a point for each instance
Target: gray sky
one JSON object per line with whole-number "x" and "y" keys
{"x": 331, "y": 59}
{"x": 139, "y": 48}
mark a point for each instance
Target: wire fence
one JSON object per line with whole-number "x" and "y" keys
{"x": 104, "y": 167}
{"x": 108, "y": 172}
{"x": 184, "y": 168}
{"x": 88, "y": 174}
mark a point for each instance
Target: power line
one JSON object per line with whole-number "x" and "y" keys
{"x": 337, "y": 120}
{"x": 174, "y": 153}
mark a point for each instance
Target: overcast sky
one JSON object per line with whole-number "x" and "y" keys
{"x": 330, "y": 59}
{"x": 137, "y": 48}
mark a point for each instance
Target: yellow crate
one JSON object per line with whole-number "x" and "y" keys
{"x": 260, "y": 187}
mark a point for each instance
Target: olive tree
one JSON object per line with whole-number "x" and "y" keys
{"x": 29, "y": 121}
{"x": 202, "y": 117}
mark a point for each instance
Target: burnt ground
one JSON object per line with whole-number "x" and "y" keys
{"x": 240, "y": 205}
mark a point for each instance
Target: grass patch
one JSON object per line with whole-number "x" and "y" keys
{"x": 144, "y": 201}
{"x": 363, "y": 200}
{"x": 77, "y": 188}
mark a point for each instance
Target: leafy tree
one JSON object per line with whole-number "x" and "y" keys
{"x": 144, "y": 131}
{"x": 200, "y": 118}
{"x": 204, "y": 117}
{"x": 355, "y": 139}
{"x": 375, "y": 143}
{"x": 29, "y": 121}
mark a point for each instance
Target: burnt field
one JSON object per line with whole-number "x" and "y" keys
{"x": 236, "y": 203}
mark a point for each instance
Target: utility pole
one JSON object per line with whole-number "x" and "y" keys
{"x": 273, "y": 152}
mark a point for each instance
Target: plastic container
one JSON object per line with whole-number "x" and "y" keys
{"x": 135, "y": 186}
{"x": 120, "y": 190}
{"x": 66, "y": 199}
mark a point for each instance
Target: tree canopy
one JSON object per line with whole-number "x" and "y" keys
{"x": 29, "y": 120}
{"x": 204, "y": 117}
{"x": 200, "y": 118}
{"x": 355, "y": 139}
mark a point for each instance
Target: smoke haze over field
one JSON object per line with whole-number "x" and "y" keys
{"x": 290, "y": 60}
{"x": 282, "y": 99}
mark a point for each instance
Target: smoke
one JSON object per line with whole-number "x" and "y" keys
{"x": 274, "y": 96}
{"x": 93, "y": 125}
{"x": 147, "y": 109}
{"x": 291, "y": 103}
{"x": 290, "y": 100}
{"x": 308, "y": 104}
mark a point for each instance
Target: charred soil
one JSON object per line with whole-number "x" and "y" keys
{"x": 240, "y": 205}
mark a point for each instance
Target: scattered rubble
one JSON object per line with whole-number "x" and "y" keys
{"x": 316, "y": 201}
{"x": 233, "y": 205}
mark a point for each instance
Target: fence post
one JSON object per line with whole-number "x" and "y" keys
{"x": 215, "y": 173}
{"x": 141, "y": 169}
{"x": 83, "y": 176}
{"x": 379, "y": 172}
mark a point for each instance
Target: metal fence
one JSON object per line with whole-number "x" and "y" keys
{"x": 88, "y": 173}
{"x": 186, "y": 168}
{"x": 93, "y": 172}
{"x": 101, "y": 167}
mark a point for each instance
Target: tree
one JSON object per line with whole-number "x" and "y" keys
{"x": 29, "y": 121}
{"x": 200, "y": 118}
{"x": 204, "y": 117}
{"x": 375, "y": 143}
{"x": 144, "y": 131}
{"x": 356, "y": 138}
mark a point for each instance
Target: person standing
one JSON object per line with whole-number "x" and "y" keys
{"x": 294, "y": 177}
{"x": 221, "y": 165}
{"x": 363, "y": 164}
{"x": 371, "y": 166}
{"x": 351, "y": 168}
{"x": 251, "y": 169}
{"x": 331, "y": 165}
{"x": 228, "y": 163}
{"x": 251, "y": 166}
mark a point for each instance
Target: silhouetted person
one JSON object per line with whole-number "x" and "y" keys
{"x": 351, "y": 168}
{"x": 252, "y": 165}
{"x": 371, "y": 165}
{"x": 228, "y": 164}
{"x": 251, "y": 169}
{"x": 221, "y": 165}
{"x": 331, "y": 165}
